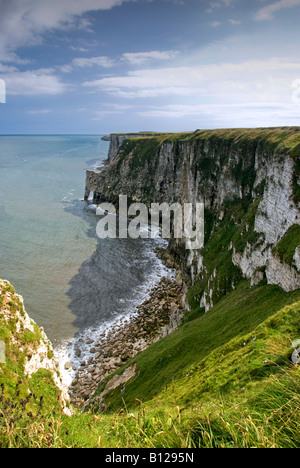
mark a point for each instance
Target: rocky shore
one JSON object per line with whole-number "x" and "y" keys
{"x": 155, "y": 318}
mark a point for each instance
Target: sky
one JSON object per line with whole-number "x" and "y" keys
{"x": 104, "y": 66}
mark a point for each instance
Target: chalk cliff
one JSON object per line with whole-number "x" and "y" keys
{"x": 249, "y": 182}
{"x": 28, "y": 349}
{"x": 117, "y": 139}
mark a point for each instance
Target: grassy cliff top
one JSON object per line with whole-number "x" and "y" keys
{"x": 276, "y": 139}
{"x": 223, "y": 379}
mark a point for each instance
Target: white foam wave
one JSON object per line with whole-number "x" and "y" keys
{"x": 67, "y": 352}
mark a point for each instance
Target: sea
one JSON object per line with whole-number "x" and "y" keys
{"x": 74, "y": 284}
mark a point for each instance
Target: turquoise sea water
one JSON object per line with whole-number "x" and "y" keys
{"x": 73, "y": 283}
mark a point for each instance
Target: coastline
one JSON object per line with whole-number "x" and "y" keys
{"x": 119, "y": 342}
{"x": 156, "y": 317}
{"x": 71, "y": 352}
{"x": 97, "y": 355}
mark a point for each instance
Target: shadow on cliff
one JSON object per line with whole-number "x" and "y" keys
{"x": 114, "y": 279}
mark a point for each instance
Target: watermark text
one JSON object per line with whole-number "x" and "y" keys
{"x": 2, "y": 352}
{"x": 2, "y": 92}
{"x": 295, "y": 358}
{"x": 164, "y": 221}
{"x": 296, "y": 92}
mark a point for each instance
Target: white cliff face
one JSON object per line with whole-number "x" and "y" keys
{"x": 42, "y": 358}
{"x": 38, "y": 353}
{"x": 251, "y": 259}
{"x": 276, "y": 213}
{"x": 218, "y": 171}
{"x": 297, "y": 258}
{"x": 91, "y": 183}
{"x": 282, "y": 274}
{"x": 116, "y": 141}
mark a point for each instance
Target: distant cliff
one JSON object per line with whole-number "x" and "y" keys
{"x": 249, "y": 181}
{"x": 117, "y": 139}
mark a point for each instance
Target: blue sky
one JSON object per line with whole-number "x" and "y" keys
{"x": 103, "y": 66}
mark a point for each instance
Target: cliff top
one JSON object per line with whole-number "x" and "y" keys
{"x": 27, "y": 356}
{"x": 278, "y": 139}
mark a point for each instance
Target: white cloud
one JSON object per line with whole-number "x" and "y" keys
{"x": 79, "y": 49}
{"x": 267, "y": 12}
{"x": 87, "y": 62}
{"x": 264, "y": 77}
{"x": 33, "y": 82}
{"x": 218, "y": 4}
{"x": 39, "y": 111}
{"x": 132, "y": 58}
{"x": 157, "y": 92}
{"x": 66, "y": 68}
{"x": 23, "y": 23}
{"x": 138, "y": 58}
{"x": 112, "y": 110}
{"x": 7, "y": 68}
{"x": 83, "y": 62}
{"x": 249, "y": 93}
{"x": 93, "y": 61}
{"x": 251, "y": 114}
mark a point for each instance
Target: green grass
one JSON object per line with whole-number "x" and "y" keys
{"x": 237, "y": 314}
{"x": 242, "y": 391}
{"x": 223, "y": 379}
{"x": 288, "y": 244}
{"x": 273, "y": 140}
{"x": 278, "y": 140}
{"x": 19, "y": 344}
{"x": 235, "y": 230}
{"x": 270, "y": 141}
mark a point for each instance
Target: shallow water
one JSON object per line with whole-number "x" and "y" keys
{"x": 73, "y": 283}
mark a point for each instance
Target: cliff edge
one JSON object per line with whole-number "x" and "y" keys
{"x": 248, "y": 180}
{"x": 27, "y": 353}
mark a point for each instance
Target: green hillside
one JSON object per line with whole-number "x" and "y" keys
{"x": 225, "y": 377}
{"x": 172, "y": 358}
{"x": 227, "y": 360}
{"x": 222, "y": 379}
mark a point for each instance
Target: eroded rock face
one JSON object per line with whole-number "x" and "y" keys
{"x": 276, "y": 213}
{"x": 216, "y": 168}
{"x": 116, "y": 141}
{"x": 36, "y": 352}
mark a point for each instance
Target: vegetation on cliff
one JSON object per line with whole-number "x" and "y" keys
{"x": 225, "y": 377}
{"x": 141, "y": 155}
{"x": 30, "y": 397}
